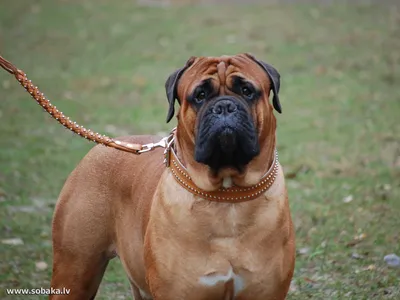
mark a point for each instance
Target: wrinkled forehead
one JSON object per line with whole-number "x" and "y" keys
{"x": 221, "y": 69}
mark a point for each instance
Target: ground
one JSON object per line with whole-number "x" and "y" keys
{"x": 104, "y": 64}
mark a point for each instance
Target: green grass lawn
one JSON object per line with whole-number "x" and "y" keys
{"x": 104, "y": 64}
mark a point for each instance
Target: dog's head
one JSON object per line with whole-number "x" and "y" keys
{"x": 226, "y": 127}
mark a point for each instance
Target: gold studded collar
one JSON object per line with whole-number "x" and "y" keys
{"x": 233, "y": 194}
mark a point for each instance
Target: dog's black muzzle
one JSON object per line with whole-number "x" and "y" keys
{"x": 226, "y": 135}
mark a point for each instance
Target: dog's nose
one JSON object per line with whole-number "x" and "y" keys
{"x": 224, "y": 107}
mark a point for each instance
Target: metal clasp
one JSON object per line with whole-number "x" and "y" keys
{"x": 165, "y": 142}
{"x": 148, "y": 147}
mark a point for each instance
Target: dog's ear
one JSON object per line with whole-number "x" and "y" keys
{"x": 274, "y": 77}
{"x": 170, "y": 87}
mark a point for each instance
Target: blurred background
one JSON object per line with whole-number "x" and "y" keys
{"x": 104, "y": 64}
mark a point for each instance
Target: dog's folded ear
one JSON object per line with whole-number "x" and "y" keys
{"x": 170, "y": 87}
{"x": 274, "y": 76}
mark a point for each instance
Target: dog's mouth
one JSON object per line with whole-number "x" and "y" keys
{"x": 226, "y": 137}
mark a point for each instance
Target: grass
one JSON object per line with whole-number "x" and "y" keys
{"x": 104, "y": 63}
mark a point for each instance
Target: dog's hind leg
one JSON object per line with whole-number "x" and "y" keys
{"x": 82, "y": 243}
{"x": 81, "y": 277}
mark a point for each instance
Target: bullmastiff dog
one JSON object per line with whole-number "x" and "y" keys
{"x": 206, "y": 219}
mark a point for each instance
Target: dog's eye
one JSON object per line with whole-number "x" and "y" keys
{"x": 200, "y": 97}
{"x": 247, "y": 92}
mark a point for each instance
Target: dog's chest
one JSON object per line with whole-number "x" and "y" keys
{"x": 222, "y": 247}
{"x": 227, "y": 222}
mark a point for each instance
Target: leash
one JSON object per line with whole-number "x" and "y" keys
{"x": 73, "y": 126}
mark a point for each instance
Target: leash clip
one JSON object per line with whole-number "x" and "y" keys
{"x": 165, "y": 142}
{"x": 148, "y": 147}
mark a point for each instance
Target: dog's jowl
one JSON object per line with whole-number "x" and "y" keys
{"x": 209, "y": 218}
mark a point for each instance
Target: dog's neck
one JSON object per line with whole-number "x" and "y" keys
{"x": 231, "y": 195}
